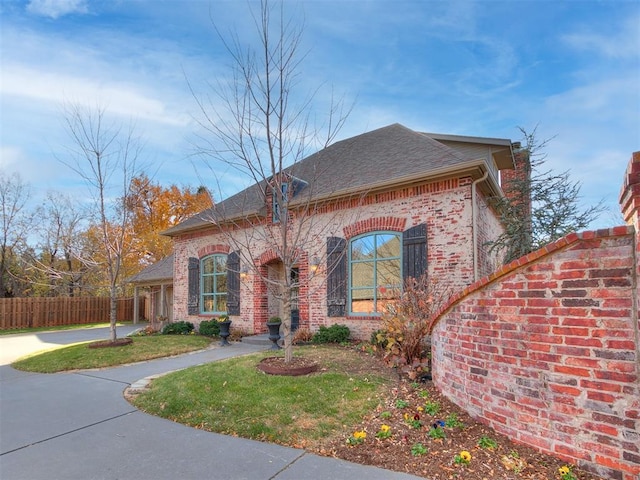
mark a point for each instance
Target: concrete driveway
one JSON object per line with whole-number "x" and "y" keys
{"x": 77, "y": 425}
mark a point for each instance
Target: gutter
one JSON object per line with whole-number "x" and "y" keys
{"x": 474, "y": 223}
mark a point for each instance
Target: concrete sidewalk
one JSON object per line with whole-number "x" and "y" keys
{"x": 77, "y": 425}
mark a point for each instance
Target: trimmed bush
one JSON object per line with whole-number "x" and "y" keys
{"x": 334, "y": 334}
{"x": 209, "y": 328}
{"x": 178, "y": 328}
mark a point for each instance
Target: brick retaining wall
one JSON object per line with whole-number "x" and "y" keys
{"x": 546, "y": 350}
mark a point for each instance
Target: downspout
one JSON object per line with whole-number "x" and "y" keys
{"x": 474, "y": 223}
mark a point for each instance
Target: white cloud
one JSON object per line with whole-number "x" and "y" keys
{"x": 57, "y": 8}
{"x": 120, "y": 98}
{"x": 10, "y": 158}
{"x": 622, "y": 43}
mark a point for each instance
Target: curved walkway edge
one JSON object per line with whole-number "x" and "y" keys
{"x": 79, "y": 426}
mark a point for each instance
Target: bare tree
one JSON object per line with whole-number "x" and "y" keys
{"x": 14, "y": 224}
{"x": 105, "y": 157}
{"x": 60, "y": 245}
{"x": 539, "y": 206}
{"x": 256, "y": 124}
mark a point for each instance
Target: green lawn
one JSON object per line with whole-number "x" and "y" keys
{"x": 80, "y": 356}
{"x": 233, "y": 397}
{"x": 62, "y": 327}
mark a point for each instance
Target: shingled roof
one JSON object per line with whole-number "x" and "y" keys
{"x": 392, "y": 155}
{"x": 160, "y": 271}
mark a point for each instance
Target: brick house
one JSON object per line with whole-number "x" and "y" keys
{"x": 379, "y": 207}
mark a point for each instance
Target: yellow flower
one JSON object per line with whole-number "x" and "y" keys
{"x": 465, "y": 456}
{"x": 385, "y": 428}
{"x": 361, "y": 435}
{"x": 420, "y": 409}
{"x": 564, "y": 470}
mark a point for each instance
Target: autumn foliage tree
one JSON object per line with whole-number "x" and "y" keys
{"x": 155, "y": 208}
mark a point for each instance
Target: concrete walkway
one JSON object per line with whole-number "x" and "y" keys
{"x": 77, "y": 425}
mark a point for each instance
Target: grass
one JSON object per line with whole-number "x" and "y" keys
{"x": 61, "y": 327}
{"x": 80, "y": 356}
{"x": 233, "y": 397}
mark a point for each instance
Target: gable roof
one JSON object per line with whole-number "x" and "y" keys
{"x": 159, "y": 272}
{"x": 391, "y": 155}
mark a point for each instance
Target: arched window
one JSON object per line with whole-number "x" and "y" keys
{"x": 213, "y": 284}
{"x": 375, "y": 271}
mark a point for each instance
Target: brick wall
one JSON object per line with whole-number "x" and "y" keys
{"x": 443, "y": 205}
{"x": 546, "y": 349}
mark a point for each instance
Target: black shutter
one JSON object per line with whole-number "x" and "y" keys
{"x": 336, "y": 277}
{"x": 233, "y": 283}
{"x": 414, "y": 252}
{"x": 193, "y": 278}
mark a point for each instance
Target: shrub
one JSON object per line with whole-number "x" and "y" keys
{"x": 334, "y": 334}
{"x": 379, "y": 339}
{"x": 407, "y": 321}
{"x": 209, "y": 328}
{"x": 178, "y": 328}
{"x": 302, "y": 335}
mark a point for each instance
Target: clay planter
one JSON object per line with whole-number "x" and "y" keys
{"x": 120, "y": 342}
{"x": 298, "y": 366}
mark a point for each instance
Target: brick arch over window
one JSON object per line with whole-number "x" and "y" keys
{"x": 390, "y": 224}
{"x": 213, "y": 249}
{"x": 270, "y": 255}
{"x": 267, "y": 257}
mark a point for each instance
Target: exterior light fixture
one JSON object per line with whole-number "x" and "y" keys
{"x": 244, "y": 271}
{"x": 314, "y": 264}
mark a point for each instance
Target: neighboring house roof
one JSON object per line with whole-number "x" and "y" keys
{"x": 386, "y": 157}
{"x": 159, "y": 272}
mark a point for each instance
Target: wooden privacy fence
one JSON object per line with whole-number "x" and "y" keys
{"x": 52, "y": 312}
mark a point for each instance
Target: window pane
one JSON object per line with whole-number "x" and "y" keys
{"x": 362, "y": 274}
{"x": 221, "y": 263}
{"x": 207, "y": 265}
{"x": 221, "y": 303}
{"x": 207, "y": 284}
{"x": 362, "y": 300}
{"x": 208, "y": 303}
{"x": 363, "y": 248}
{"x": 388, "y": 272}
{"x": 221, "y": 284}
{"x": 388, "y": 246}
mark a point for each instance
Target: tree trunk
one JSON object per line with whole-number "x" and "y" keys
{"x": 286, "y": 325}
{"x": 113, "y": 314}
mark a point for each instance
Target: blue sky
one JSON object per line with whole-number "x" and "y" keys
{"x": 478, "y": 68}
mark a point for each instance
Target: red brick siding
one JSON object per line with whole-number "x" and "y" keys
{"x": 444, "y": 206}
{"x": 546, "y": 349}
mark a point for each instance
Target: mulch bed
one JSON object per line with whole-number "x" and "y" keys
{"x": 508, "y": 461}
{"x": 119, "y": 342}
{"x": 296, "y": 367}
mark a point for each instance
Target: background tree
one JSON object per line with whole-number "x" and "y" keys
{"x": 105, "y": 157}
{"x": 539, "y": 206}
{"x": 155, "y": 208}
{"x": 256, "y": 124}
{"x": 14, "y": 225}
{"x": 58, "y": 264}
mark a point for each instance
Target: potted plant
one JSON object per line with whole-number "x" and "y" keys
{"x": 274, "y": 331}
{"x": 225, "y": 323}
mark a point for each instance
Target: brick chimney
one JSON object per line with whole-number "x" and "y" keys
{"x": 630, "y": 193}
{"x": 512, "y": 181}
